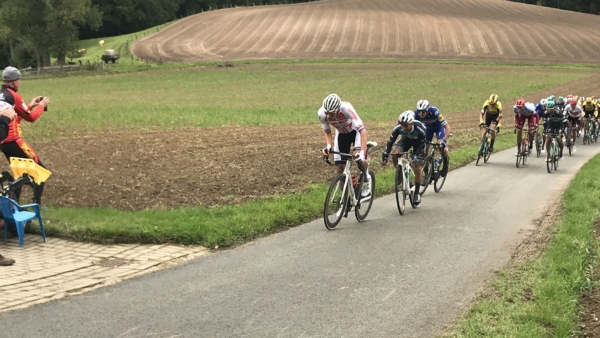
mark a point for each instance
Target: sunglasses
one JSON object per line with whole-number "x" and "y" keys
{"x": 405, "y": 125}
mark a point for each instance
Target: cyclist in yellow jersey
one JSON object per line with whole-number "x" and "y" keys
{"x": 590, "y": 111}
{"x": 492, "y": 111}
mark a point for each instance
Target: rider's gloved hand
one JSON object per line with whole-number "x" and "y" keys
{"x": 326, "y": 150}
{"x": 384, "y": 157}
{"x": 360, "y": 156}
{"x": 481, "y": 124}
{"x": 443, "y": 143}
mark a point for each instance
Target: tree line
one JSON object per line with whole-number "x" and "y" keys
{"x": 33, "y": 31}
{"x": 583, "y": 6}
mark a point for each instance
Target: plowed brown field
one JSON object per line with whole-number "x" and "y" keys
{"x": 201, "y": 167}
{"x": 493, "y": 30}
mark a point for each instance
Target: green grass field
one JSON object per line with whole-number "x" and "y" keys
{"x": 267, "y": 94}
{"x": 540, "y": 298}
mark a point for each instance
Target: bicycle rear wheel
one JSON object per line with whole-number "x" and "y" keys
{"x": 538, "y": 143}
{"x": 399, "y": 187}
{"x": 518, "y": 157}
{"x": 364, "y": 203}
{"x": 335, "y": 203}
{"x": 427, "y": 174}
{"x": 439, "y": 180}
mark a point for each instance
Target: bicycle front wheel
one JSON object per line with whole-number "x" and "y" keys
{"x": 335, "y": 203}
{"x": 439, "y": 181}
{"x": 550, "y": 159}
{"x": 538, "y": 143}
{"x": 400, "y": 192}
{"x": 427, "y": 174}
{"x": 555, "y": 160}
{"x": 364, "y": 203}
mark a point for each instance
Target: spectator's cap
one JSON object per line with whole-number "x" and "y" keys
{"x": 11, "y": 74}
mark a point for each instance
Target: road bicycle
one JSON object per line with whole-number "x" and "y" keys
{"x": 484, "y": 148}
{"x": 432, "y": 166}
{"x": 405, "y": 181}
{"x": 553, "y": 154}
{"x": 524, "y": 152}
{"x": 590, "y": 133}
{"x": 345, "y": 191}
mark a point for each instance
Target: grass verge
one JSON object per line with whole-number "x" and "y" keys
{"x": 223, "y": 226}
{"x": 539, "y": 298}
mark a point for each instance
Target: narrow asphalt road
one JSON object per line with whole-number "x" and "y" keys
{"x": 391, "y": 276}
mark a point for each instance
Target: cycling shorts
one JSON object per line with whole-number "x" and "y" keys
{"x": 417, "y": 145}
{"x": 574, "y": 120}
{"x": 532, "y": 121}
{"x": 491, "y": 119}
{"x": 439, "y": 133}
{"x": 343, "y": 142}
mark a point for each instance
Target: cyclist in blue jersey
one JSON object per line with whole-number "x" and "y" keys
{"x": 413, "y": 135}
{"x": 436, "y": 124}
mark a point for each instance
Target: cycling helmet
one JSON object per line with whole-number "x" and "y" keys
{"x": 550, "y": 105}
{"x": 581, "y": 99}
{"x": 589, "y": 100}
{"x": 406, "y": 117}
{"x": 332, "y": 103}
{"x": 493, "y": 98}
{"x": 520, "y": 103}
{"x": 551, "y": 98}
{"x": 544, "y": 102}
{"x": 422, "y": 105}
{"x": 11, "y": 74}
{"x": 570, "y": 96}
{"x": 573, "y": 101}
{"x": 561, "y": 99}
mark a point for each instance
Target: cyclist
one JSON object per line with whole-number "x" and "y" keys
{"x": 492, "y": 109}
{"x": 432, "y": 118}
{"x": 413, "y": 134}
{"x": 540, "y": 110}
{"x": 574, "y": 116}
{"x": 13, "y": 145}
{"x": 589, "y": 111}
{"x": 349, "y": 129}
{"x": 555, "y": 125}
{"x": 525, "y": 111}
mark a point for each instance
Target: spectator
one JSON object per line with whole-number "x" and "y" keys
{"x": 6, "y": 116}
{"x": 13, "y": 145}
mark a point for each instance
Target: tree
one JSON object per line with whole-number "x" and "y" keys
{"x": 47, "y": 26}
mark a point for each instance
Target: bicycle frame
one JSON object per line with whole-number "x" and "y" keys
{"x": 407, "y": 168}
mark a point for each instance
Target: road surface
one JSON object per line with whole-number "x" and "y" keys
{"x": 391, "y": 276}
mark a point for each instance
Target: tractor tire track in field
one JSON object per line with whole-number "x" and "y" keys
{"x": 455, "y": 29}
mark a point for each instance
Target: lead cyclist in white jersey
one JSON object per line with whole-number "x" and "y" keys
{"x": 349, "y": 129}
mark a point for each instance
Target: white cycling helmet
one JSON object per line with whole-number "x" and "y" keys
{"x": 581, "y": 99}
{"x": 406, "y": 117}
{"x": 332, "y": 103}
{"x": 543, "y": 102}
{"x": 422, "y": 105}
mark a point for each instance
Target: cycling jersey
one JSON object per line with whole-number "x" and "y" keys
{"x": 589, "y": 110}
{"x": 345, "y": 121}
{"x": 540, "y": 110}
{"x": 10, "y": 99}
{"x": 573, "y": 111}
{"x": 492, "y": 109}
{"x": 528, "y": 109}
{"x": 417, "y": 133}
{"x": 433, "y": 119}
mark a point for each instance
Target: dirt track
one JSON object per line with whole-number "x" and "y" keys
{"x": 492, "y": 30}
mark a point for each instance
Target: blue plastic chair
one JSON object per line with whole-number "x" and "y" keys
{"x": 11, "y": 213}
